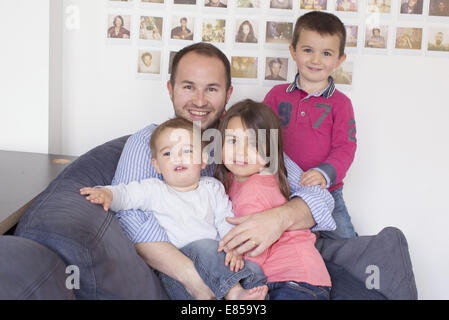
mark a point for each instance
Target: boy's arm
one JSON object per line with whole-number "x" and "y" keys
{"x": 343, "y": 146}
{"x": 222, "y": 207}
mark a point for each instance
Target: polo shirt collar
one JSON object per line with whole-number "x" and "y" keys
{"x": 326, "y": 92}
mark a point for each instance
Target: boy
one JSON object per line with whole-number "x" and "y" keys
{"x": 192, "y": 209}
{"x": 318, "y": 120}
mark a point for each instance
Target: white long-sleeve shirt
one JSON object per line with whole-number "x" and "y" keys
{"x": 185, "y": 216}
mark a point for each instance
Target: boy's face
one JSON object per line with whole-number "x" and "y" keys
{"x": 316, "y": 57}
{"x": 176, "y": 161}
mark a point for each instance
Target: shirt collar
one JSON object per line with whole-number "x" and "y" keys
{"x": 326, "y": 92}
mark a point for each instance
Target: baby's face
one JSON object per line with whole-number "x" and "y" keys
{"x": 178, "y": 159}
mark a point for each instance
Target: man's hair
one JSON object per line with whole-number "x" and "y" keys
{"x": 204, "y": 49}
{"x": 175, "y": 123}
{"x": 273, "y": 61}
{"x": 322, "y": 22}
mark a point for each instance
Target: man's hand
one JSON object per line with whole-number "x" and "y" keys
{"x": 312, "y": 178}
{"x": 234, "y": 260}
{"x": 255, "y": 233}
{"x": 101, "y": 196}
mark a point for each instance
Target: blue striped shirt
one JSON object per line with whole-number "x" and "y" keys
{"x": 135, "y": 165}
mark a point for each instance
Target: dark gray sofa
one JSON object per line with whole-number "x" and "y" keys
{"x": 63, "y": 229}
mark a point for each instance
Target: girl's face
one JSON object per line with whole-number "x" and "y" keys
{"x": 245, "y": 29}
{"x": 240, "y": 154}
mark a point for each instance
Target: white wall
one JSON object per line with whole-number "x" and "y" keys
{"x": 400, "y": 172}
{"x": 24, "y": 63}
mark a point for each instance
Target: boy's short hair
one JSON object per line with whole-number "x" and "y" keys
{"x": 322, "y": 22}
{"x": 175, "y": 123}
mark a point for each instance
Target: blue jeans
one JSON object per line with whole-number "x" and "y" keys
{"x": 291, "y": 290}
{"x": 211, "y": 267}
{"x": 345, "y": 229}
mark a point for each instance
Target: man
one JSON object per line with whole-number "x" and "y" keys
{"x": 182, "y": 32}
{"x": 438, "y": 44}
{"x": 412, "y": 7}
{"x": 275, "y": 66}
{"x": 439, "y": 8}
{"x": 200, "y": 87}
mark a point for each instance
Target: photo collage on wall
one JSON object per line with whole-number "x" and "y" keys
{"x": 256, "y": 34}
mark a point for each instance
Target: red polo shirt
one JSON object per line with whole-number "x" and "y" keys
{"x": 318, "y": 130}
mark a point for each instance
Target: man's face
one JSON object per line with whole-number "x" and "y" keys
{"x": 412, "y": 3}
{"x": 147, "y": 60}
{"x": 199, "y": 92}
{"x": 441, "y": 6}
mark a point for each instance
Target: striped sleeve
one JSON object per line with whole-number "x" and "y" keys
{"x": 135, "y": 165}
{"x": 320, "y": 201}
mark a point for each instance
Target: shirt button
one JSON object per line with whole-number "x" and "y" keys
{"x": 303, "y": 113}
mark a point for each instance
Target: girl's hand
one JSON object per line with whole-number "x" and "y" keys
{"x": 312, "y": 178}
{"x": 101, "y": 196}
{"x": 235, "y": 261}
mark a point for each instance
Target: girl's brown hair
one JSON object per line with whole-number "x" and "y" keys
{"x": 256, "y": 116}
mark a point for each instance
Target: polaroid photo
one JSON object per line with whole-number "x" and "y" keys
{"x": 280, "y": 7}
{"x": 149, "y": 64}
{"x": 152, "y": 4}
{"x": 118, "y": 29}
{"x": 437, "y": 41}
{"x": 186, "y": 5}
{"x": 379, "y": 7}
{"x": 278, "y": 34}
{"x": 352, "y": 37}
{"x": 343, "y": 75}
{"x": 182, "y": 29}
{"x": 313, "y": 5}
{"x": 212, "y": 5}
{"x": 376, "y": 39}
{"x": 244, "y": 69}
{"x": 347, "y": 8}
{"x": 151, "y": 30}
{"x": 411, "y": 9}
{"x": 170, "y": 60}
{"x": 246, "y": 33}
{"x": 408, "y": 40}
{"x": 214, "y": 31}
{"x": 121, "y": 3}
{"x": 248, "y": 6}
{"x": 439, "y": 11}
{"x": 276, "y": 70}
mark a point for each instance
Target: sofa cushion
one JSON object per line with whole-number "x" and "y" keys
{"x": 86, "y": 236}
{"x": 31, "y": 271}
{"x": 384, "y": 255}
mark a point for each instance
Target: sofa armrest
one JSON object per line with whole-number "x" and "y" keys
{"x": 386, "y": 251}
{"x": 86, "y": 236}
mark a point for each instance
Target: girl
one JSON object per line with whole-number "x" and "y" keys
{"x": 255, "y": 179}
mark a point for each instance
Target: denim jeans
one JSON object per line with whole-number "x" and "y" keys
{"x": 211, "y": 267}
{"x": 345, "y": 229}
{"x": 291, "y": 290}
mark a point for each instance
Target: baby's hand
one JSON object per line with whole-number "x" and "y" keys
{"x": 98, "y": 196}
{"x": 235, "y": 261}
{"x": 312, "y": 178}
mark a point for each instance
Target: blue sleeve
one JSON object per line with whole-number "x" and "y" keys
{"x": 135, "y": 165}
{"x": 320, "y": 201}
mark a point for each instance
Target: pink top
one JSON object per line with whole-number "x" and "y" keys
{"x": 294, "y": 256}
